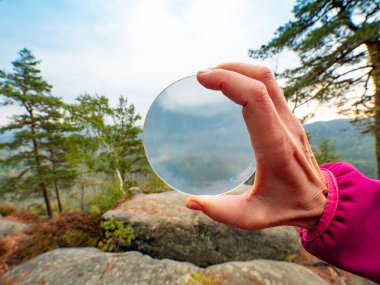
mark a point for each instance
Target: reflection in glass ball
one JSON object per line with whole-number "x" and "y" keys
{"x": 196, "y": 140}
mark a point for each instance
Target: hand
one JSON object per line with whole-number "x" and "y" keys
{"x": 289, "y": 188}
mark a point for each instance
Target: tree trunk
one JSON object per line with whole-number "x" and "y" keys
{"x": 82, "y": 197}
{"x": 58, "y": 194}
{"x": 374, "y": 51}
{"x": 56, "y": 183}
{"x": 39, "y": 170}
{"x": 121, "y": 181}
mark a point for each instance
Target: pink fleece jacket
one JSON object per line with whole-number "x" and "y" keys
{"x": 348, "y": 233}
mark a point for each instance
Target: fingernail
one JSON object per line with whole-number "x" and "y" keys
{"x": 204, "y": 71}
{"x": 194, "y": 206}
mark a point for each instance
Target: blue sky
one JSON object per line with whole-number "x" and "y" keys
{"x": 134, "y": 48}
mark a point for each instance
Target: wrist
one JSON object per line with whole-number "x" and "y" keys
{"x": 316, "y": 207}
{"x": 312, "y": 216}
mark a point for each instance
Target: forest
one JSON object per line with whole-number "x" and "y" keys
{"x": 75, "y": 156}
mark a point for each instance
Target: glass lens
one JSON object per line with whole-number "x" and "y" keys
{"x": 196, "y": 140}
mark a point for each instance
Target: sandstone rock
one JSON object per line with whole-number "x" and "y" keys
{"x": 165, "y": 228}
{"x": 329, "y": 273}
{"x": 135, "y": 191}
{"x": 91, "y": 266}
{"x": 9, "y": 227}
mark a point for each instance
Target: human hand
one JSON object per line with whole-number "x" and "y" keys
{"x": 289, "y": 188}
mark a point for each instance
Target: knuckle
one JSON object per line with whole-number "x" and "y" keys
{"x": 259, "y": 91}
{"x": 266, "y": 73}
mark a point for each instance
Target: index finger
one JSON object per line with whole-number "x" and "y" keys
{"x": 259, "y": 113}
{"x": 265, "y": 75}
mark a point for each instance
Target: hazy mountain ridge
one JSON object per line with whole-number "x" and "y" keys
{"x": 351, "y": 145}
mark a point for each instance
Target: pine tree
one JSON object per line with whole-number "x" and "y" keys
{"x": 37, "y": 130}
{"x": 338, "y": 44}
{"x": 326, "y": 152}
{"x": 57, "y": 133}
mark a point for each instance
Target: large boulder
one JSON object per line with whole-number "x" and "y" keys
{"x": 91, "y": 266}
{"x": 9, "y": 227}
{"x": 165, "y": 228}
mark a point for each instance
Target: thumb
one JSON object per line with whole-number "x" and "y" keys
{"x": 233, "y": 210}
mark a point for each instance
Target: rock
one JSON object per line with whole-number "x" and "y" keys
{"x": 357, "y": 280}
{"x": 91, "y": 266}
{"x": 329, "y": 273}
{"x": 164, "y": 228}
{"x": 135, "y": 191}
{"x": 9, "y": 227}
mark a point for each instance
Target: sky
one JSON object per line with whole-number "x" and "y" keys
{"x": 137, "y": 48}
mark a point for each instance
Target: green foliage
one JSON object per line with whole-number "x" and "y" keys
{"x": 95, "y": 210}
{"x": 116, "y": 236}
{"x": 337, "y": 42}
{"x": 104, "y": 200}
{"x": 114, "y": 130}
{"x": 7, "y": 209}
{"x": 326, "y": 152}
{"x": 334, "y": 49}
{"x": 154, "y": 185}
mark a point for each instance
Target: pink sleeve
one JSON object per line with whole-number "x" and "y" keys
{"x": 348, "y": 233}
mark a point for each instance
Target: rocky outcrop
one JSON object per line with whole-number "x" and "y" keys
{"x": 91, "y": 266}
{"x": 9, "y": 227}
{"x": 164, "y": 228}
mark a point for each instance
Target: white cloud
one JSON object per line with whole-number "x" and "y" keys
{"x": 140, "y": 47}
{"x": 137, "y": 48}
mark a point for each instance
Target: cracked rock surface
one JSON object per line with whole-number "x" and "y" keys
{"x": 92, "y": 266}
{"x": 165, "y": 228}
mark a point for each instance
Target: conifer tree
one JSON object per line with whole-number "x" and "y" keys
{"x": 338, "y": 44}
{"x": 57, "y": 132}
{"x": 326, "y": 152}
{"x": 37, "y": 130}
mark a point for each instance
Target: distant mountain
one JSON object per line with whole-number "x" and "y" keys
{"x": 350, "y": 144}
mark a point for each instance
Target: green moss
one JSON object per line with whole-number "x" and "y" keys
{"x": 116, "y": 236}
{"x": 289, "y": 258}
{"x": 205, "y": 235}
{"x": 200, "y": 279}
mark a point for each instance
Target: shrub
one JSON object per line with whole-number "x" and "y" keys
{"x": 105, "y": 200}
{"x": 7, "y": 209}
{"x": 116, "y": 236}
{"x": 75, "y": 229}
{"x": 27, "y": 216}
{"x": 95, "y": 210}
{"x": 154, "y": 185}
